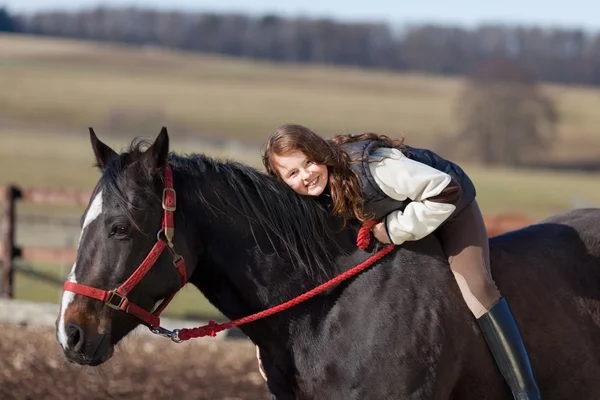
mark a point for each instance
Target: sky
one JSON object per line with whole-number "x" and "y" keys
{"x": 584, "y": 14}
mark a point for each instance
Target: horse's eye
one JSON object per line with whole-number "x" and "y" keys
{"x": 119, "y": 230}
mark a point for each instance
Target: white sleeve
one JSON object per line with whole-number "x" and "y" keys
{"x": 402, "y": 178}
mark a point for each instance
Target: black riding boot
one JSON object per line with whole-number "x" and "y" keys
{"x": 502, "y": 336}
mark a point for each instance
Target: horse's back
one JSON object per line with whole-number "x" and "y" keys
{"x": 578, "y": 229}
{"x": 557, "y": 256}
{"x": 550, "y": 274}
{"x": 402, "y": 330}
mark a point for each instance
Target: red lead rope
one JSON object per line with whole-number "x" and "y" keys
{"x": 212, "y": 328}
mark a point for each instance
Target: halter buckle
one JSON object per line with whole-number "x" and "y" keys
{"x": 166, "y": 191}
{"x": 120, "y": 298}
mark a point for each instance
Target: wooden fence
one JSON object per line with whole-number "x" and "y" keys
{"x": 11, "y": 251}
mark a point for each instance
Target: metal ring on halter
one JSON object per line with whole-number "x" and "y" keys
{"x": 175, "y": 336}
{"x": 166, "y": 240}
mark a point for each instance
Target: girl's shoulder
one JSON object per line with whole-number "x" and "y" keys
{"x": 382, "y": 153}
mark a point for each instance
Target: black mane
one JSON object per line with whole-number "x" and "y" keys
{"x": 301, "y": 224}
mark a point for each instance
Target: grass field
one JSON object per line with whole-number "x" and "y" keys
{"x": 57, "y": 84}
{"x": 52, "y": 90}
{"x": 66, "y": 161}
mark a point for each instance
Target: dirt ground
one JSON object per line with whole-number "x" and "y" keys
{"x": 143, "y": 367}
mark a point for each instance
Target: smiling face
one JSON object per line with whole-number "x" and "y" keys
{"x": 301, "y": 174}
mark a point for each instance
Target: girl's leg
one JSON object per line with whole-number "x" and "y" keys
{"x": 465, "y": 242}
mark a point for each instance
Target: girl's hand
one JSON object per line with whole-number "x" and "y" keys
{"x": 380, "y": 233}
{"x": 260, "y": 364}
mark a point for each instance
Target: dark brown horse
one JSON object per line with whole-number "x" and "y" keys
{"x": 399, "y": 330}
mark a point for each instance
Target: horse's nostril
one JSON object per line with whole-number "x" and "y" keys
{"x": 74, "y": 337}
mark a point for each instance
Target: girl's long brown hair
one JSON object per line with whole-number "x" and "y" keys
{"x": 344, "y": 184}
{"x": 349, "y": 138}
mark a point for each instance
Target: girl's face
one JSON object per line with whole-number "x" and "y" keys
{"x": 301, "y": 174}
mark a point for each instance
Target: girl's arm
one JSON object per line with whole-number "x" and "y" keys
{"x": 434, "y": 194}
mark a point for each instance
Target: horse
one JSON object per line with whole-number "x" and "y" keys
{"x": 397, "y": 330}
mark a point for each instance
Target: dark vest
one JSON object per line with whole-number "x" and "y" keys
{"x": 376, "y": 202}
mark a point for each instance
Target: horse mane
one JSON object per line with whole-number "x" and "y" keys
{"x": 299, "y": 223}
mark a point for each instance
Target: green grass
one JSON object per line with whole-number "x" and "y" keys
{"x": 32, "y": 158}
{"x": 66, "y": 161}
{"x": 536, "y": 194}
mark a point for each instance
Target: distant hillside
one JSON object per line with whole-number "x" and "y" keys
{"x": 67, "y": 85}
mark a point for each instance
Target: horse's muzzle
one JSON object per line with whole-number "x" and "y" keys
{"x": 82, "y": 349}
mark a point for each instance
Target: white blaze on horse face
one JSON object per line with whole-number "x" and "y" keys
{"x": 94, "y": 211}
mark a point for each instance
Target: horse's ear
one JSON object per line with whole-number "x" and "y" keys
{"x": 157, "y": 153}
{"x": 102, "y": 152}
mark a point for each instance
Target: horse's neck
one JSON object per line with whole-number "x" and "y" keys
{"x": 239, "y": 269}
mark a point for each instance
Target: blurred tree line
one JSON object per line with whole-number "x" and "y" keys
{"x": 558, "y": 55}
{"x": 6, "y": 21}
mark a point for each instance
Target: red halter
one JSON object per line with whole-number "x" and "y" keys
{"x": 117, "y": 298}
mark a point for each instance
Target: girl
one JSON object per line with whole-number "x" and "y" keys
{"x": 413, "y": 192}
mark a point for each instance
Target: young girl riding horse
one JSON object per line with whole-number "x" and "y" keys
{"x": 413, "y": 193}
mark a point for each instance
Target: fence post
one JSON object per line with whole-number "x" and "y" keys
{"x": 9, "y": 250}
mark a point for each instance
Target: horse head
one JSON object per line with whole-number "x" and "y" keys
{"x": 127, "y": 233}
